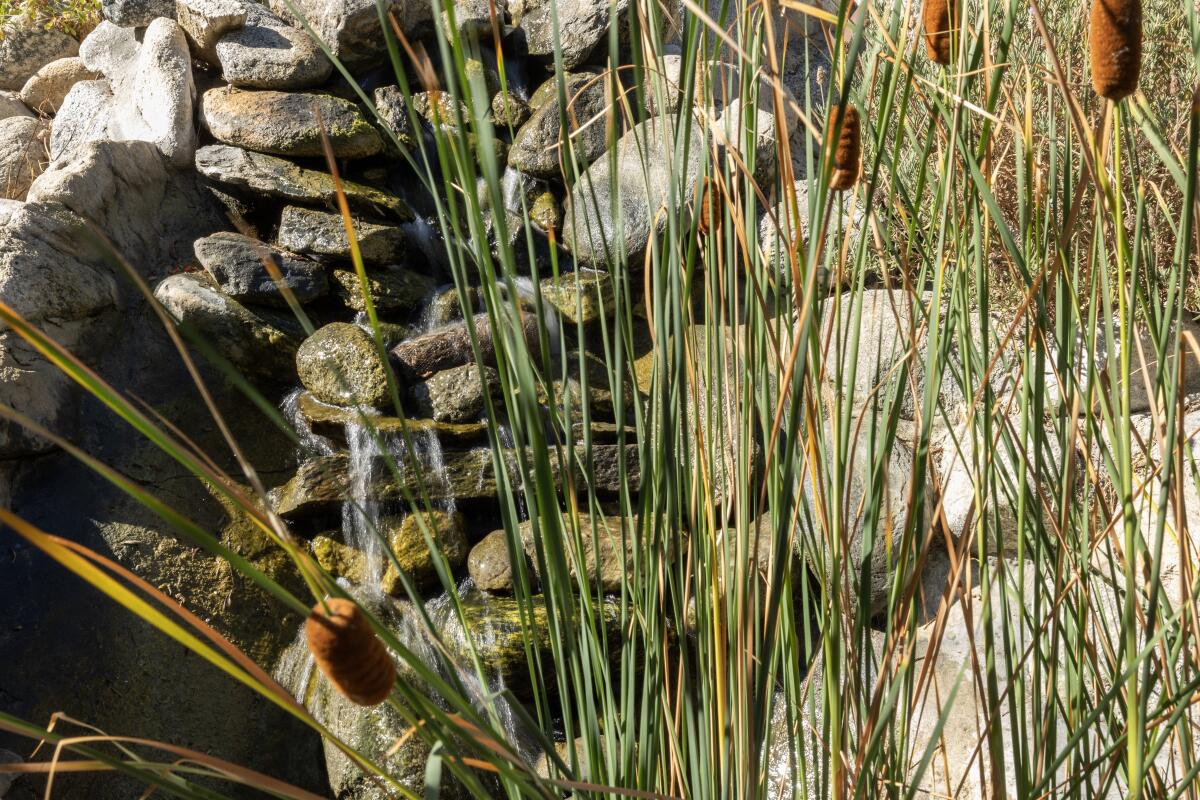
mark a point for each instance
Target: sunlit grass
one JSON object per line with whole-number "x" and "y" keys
{"x": 1027, "y": 231}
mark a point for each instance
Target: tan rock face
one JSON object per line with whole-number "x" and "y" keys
{"x": 22, "y": 155}
{"x": 288, "y": 123}
{"x": 46, "y": 89}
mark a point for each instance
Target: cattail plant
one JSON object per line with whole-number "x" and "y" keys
{"x": 939, "y": 16}
{"x": 708, "y": 207}
{"x": 349, "y": 653}
{"x": 1116, "y": 41}
{"x": 848, "y": 149}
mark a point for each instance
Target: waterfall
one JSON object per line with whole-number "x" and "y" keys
{"x": 310, "y": 443}
{"x": 297, "y": 672}
{"x": 361, "y": 512}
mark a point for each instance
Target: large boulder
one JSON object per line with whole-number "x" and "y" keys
{"x": 157, "y": 103}
{"x": 83, "y": 117}
{"x": 22, "y": 155}
{"x": 258, "y": 344}
{"x": 47, "y": 88}
{"x": 876, "y": 505}
{"x": 581, "y": 26}
{"x": 26, "y": 46}
{"x": 47, "y": 276}
{"x": 237, "y": 263}
{"x": 267, "y": 53}
{"x": 537, "y": 146}
{"x": 340, "y": 365}
{"x": 643, "y": 182}
{"x": 351, "y": 27}
{"x": 293, "y": 124}
{"x": 150, "y": 211}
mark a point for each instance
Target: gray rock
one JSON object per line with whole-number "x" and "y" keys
{"x": 440, "y": 109}
{"x": 474, "y": 17}
{"x": 456, "y": 394}
{"x": 378, "y": 735}
{"x": 489, "y": 564}
{"x": 413, "y": 554}
{"x": 891, "y": 499}
{"x": 26, "y": 46}
{"x": 320, "y": 484}
{"x": 151, "y": 212}
{"x": 12, "y": 106}
{"x": 508, "y": 110}
{"x": 110, "y": 50}
{"x": 1143, "y": 368}
{"x": 580, "y": 297}
{"x": 236, "y": 263}
{"x": 340, "y": 365}
{"x": 47, "y": 88}
{"x": 393, "y": 289}
{"x": 317, "y": 233}
{"x": 450, "y": 345}
{"x": 393, "y": 110}
{"x": 52, "y": 274}
{"x": 645, "y": 175}
{"x": 267, "y": 53}
{"x": 255, "y": 173}
{"x": 83, "y": 117}
{"x": 156, "y": 105}
{"x": 22, "y": 155}
{"x": 253, "y": 343}
{"x": 206, "y": 21}
{"x": 136, "y": 13}
{"x": 785, "y": 227}
{"x": 885, "y": 329}
{"x": 47, "y": 278}
{"x": 351, "y": 27}
{"x": 537, "y": 146}
{"x": 582, "y": 24}
{"x": 288, "y": 123}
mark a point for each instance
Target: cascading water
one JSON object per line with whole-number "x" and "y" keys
{"x": 310, "y": 443}
{"x": 375, "y": 733}
{"x": 362, "y": 511}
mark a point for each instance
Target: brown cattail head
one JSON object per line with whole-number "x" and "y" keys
{"x": 1116, "y": 33}
{"x": 847, "y": 153}
{"x": 349, "y": 653}
{"x": 939, "y": 17}
{"x": 708, "y": 209}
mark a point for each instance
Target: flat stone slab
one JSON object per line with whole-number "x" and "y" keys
{"x": 288, "y": 123}
{"x": 316, "y": 233}
{"x": 276, "y": 177}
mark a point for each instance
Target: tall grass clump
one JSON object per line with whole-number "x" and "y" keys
{"x": 904, "y": 406}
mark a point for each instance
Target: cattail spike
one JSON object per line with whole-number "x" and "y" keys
{"x": 708, "y": 210}
{"x": 1116, "y": 34}
{"x": 847, "y": 154}
{"x": 349, "y": 653}
{"x": 939, "y": 17}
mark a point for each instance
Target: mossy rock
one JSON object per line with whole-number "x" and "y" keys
{"x": 412, "y": 552}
